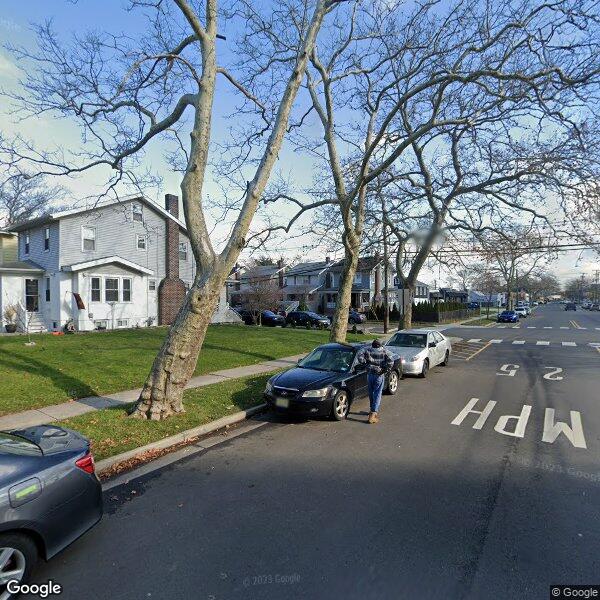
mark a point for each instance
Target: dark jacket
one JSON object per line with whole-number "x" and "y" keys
{"x": 378, "y": 360}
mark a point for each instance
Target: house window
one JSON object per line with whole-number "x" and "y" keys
{"x": 122, "y": 322}
{"x": 47, "y": 238}
{"x": 126, "y": 290}
{"x": 141, "y": 242}
{"x": 47, "y": 289}
{"x": 88, "y": 239}
{"x": 358, "y": 278}
{"x": 111, "y": 289}
{"x": 182, "y": 251}
{"x": 95, "y": 289}
{"x": 137, "y": 212}
{"x": 101, "y": 324}
{"x": 152, "y": 285}
{"x": 27, "y": 242}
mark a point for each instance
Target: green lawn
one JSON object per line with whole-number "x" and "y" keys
{"x": 112, "y": 432}
{"x": 59, "y": 368}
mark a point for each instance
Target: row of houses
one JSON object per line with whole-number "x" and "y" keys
{"x": 315, "y": 285}
{"x": 117, "y": 264}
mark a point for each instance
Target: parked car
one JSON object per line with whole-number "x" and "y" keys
{"x": 473, "y": 305}
{"x": 356, "y": 318}
{"x": 325, "y": 383}
{"x": 307, "y": 318}
{"x": 522, "y": 311}
{"x": 595, "y": 307}
{"x": 570, "y": 306}
{"x": 420, "y": 350}
{"x": 271, "y": 319}
{"x": 49, "y": 496}
{"x": 508, "y": 316}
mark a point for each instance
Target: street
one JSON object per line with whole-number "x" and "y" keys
{"x": 433, "y": 502}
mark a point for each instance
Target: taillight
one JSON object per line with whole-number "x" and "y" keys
{"x": 86, "y": 463}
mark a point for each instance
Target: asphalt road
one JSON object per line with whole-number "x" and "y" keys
{"x": 422, "y": 505}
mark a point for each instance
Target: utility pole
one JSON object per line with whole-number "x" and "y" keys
{"x": 581, "y": 287}
{"x": 597, "y": 283}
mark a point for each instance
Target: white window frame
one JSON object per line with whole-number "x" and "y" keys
{"x": 151, "y": 285}
{"x": 124, "y": 323}
{"x": 118, "y": 280}
{"x": 183, "y": 247}
{"x": 357, "y": 277}
{"x": 97, "y": 323}
{"x": 95, "y": 238}
{"x": 138, "y": 237}
{"x": 27, "y": 243}
{"x": 134, "y": 213}
{"x": 92, "y": 277}
{"x": 46, "y": 239}
{"x": 122, "y": 285}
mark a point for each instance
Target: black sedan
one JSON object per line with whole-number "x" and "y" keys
{"x": 271, "y": 319}
{"x": 49, "y": 496}
{"x": 356, "y": 318}
{"x": 325, "y": 383}
{"x": 308, "y": 319}
{"x": 508, "y": 316}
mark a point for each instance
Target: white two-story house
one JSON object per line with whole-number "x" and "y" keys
{"x": 120, "y": 263}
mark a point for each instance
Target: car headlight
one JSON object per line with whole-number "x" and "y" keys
{"x": 316, "y": 393}
{"x": 416, "y": 358}
{"x": 268, "y": 387}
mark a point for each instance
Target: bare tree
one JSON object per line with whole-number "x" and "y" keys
{"x": 24, "y": 197}
{"x": 127, "y": 92}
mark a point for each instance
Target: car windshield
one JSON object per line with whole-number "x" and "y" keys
{"x": 268, "y": 313}
{"x": 329, "y": 359}
{"x": 314, "y": 315}
{"x": 408, "y": 340}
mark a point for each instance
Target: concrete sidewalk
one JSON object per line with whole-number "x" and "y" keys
{"x": 66, "y": 410}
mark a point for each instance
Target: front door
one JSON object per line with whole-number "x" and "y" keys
{"x": 32, "y": 297}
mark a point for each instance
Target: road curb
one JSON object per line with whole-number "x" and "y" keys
{"x": 179, "y": 438}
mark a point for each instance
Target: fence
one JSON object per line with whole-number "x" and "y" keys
{"x": 448, "y": 315}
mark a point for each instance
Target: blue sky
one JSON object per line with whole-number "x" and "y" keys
{"x": 110, "y": 15}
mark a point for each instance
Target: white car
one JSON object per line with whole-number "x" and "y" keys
{"x": 420, "y": 350}
{"x": 522, "y": 311}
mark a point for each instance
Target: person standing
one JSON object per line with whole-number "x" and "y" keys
{"x": 378, "y": 360}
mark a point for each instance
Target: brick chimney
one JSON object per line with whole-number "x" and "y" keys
{"x": 171, "y": 292}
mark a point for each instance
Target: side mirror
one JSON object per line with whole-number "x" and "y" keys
{"x": 432, "y": 344}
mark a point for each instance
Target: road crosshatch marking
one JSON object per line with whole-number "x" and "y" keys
{"x": 542, "y": 343}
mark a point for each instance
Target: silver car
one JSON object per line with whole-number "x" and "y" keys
{"x": 420, "y": 350}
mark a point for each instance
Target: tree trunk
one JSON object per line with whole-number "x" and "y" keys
{"x": 339, "y": 325}
{"x": 408, "y": 293}
{"x": 176, "y": 361}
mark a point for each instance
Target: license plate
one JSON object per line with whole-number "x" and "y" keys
{"x": 282, "y": 402}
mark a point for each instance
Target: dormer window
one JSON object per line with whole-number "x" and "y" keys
{"x": 137, "y": 212}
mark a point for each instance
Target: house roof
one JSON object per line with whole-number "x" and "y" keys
{"x": 261, "y": 271}
{"x": 20, "y": 266}
{"x": 90, "y": 264}
{"x": 309, "y": 268}
{"x": 50, "y": 217}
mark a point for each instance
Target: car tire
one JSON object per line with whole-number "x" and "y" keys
{"x": 24, "y": 558}
{"x": 446, "y": 359}
{"x": 393, "y": 379}
{"x": 340, "y": 405}
{"x": 425, "y": 369}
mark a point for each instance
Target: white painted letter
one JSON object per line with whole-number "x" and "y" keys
{"x": 552, "y": 376}
{"x": 508, "y": 370}
{"x": 519, "y": 427}
{"x": 483, "y": 414}
{"x": 574, "y": 433}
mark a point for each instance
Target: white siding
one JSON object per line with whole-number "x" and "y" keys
{"x": 48, "y": 259}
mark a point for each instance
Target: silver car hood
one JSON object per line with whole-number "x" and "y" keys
{"x": 406, "y": 353}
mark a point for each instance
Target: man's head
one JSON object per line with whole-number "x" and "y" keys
{"x": 376, "y": 344}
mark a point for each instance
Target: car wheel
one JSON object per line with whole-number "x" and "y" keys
{"x": 18, "y": 556}
{"x": 341, "y": 406}
{"x": 425, "y": 369}
{"x": 446, "y": 359}
{"x": 392, "y": 386}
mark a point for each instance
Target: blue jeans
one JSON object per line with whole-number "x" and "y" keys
{"x": 375, "y": 383}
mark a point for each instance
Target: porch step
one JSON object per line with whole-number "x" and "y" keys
{"x": 36, "y": 325}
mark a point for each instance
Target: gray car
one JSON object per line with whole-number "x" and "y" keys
{"x": 420, "y": 350}
{"x": 49, "y": 496}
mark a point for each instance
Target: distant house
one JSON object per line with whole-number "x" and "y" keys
{"x": 316, "y": 284}
{"x": 421, "y": 293}
{"x": 244, "y": 282}
{"x": 117, "y": 264}
{"x": 450, "y": 295}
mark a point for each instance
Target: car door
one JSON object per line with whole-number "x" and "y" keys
{"x": 442, "y": 346}
{"x": 434, "y": 350}
{"x": 358, "y": 381}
